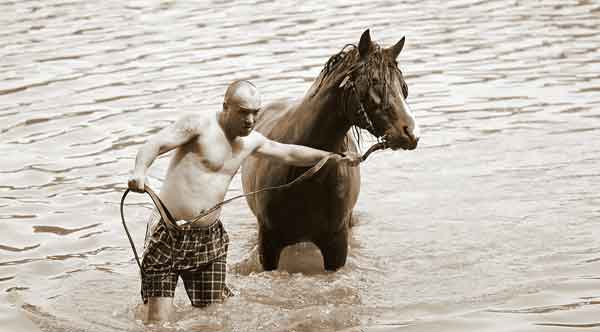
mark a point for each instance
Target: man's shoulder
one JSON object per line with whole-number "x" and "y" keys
{"x": 257, "y": 137}
{"x": 255, "y": 140}
{"x": 197, "y": 122}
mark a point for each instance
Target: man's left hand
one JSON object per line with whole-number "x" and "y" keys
{"x": 349, "y": 158}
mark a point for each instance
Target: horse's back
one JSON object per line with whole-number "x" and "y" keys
{"x": 271, "y": 115}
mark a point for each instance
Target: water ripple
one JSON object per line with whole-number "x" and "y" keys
{"x": 13, "y": 249}
{"x": 60, "y": 230}
{"x": 547, "y": 309}
{"x": 63, "y": 257}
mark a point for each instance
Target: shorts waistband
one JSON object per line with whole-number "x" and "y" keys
{"x": 200, "y": 227}
{"x": 188, "y": 225}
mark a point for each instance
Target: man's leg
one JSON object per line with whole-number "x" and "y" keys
{"x": 159, "y": 281}
{"x": 158, "y": 309}
{"x": 207, "y": 286}
{"x": 158, "y": 291}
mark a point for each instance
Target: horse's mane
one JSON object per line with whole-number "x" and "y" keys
{"x": 339, "y": 61}
{"x": 345, "y": 61}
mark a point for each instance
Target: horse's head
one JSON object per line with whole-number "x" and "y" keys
{"x": 375, "y": 93}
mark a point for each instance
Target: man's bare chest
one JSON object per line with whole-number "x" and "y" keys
{"x": 216, "y": 154}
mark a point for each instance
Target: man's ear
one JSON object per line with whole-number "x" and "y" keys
{"x": 224, "y": 106}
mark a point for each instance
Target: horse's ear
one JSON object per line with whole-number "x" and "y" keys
{"x": 396, "y": 49}
{"x": 365, "y": 44}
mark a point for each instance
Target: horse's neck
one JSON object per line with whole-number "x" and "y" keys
{"x": 318, "y": 122}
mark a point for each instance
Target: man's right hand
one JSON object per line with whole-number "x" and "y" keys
{"x": 136, "y": 183}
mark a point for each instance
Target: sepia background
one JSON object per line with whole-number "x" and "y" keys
{"x": 489, "y": 225}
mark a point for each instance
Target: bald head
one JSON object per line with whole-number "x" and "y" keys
{"x": 243, "y": 94}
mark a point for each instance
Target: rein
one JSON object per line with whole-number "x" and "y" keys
{"x": 173, "y": 226}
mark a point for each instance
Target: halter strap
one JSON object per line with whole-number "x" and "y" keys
{"x": 363, "y": 116}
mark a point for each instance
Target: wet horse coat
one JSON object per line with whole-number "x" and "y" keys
{"x": 319, "y": 210}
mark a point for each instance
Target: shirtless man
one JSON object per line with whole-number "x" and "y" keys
{"x": 210, "y": 148}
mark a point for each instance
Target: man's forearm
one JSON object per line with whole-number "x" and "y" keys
{"x": 305, "y": 156}
{"x": 146, "y": 155}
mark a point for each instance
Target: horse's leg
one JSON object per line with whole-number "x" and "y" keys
{"x": 334, "y": 248}
{"x": 269, "y": 248}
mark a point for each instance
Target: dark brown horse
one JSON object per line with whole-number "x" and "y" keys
{"x": 360, "y": 86}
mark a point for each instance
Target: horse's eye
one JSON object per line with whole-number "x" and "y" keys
{"x": 374, "y": 96}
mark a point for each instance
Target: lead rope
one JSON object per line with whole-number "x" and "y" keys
{"x": 162, "y": 210}
{"x": 170, "y": 225}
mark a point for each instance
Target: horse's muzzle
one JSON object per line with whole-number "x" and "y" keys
{"x": 404, "y": 141}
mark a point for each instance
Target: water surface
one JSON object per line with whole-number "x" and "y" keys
{"x": 489, "y": 223}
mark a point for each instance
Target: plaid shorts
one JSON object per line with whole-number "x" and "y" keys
{"x": 197, "y": 255}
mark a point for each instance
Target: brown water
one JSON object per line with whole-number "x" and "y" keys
{"x": 491, "y": 224}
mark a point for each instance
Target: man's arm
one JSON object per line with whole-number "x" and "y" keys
{"x": 299, "y": 155}
{"x": 167, "y": 139}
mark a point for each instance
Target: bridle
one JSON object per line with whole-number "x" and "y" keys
{"x": 361, "y": 116}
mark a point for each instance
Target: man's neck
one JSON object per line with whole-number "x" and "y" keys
{"x": 222, "y": 120}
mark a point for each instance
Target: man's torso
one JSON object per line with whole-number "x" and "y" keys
{"x": 201, "y": 171}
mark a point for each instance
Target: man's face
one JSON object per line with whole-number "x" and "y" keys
{"x": 242, "y": 119}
